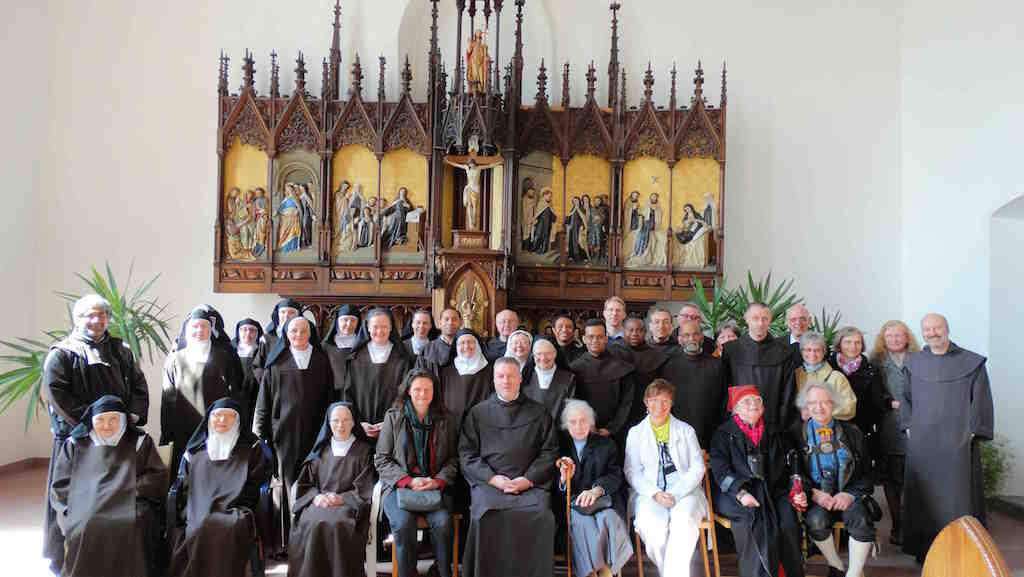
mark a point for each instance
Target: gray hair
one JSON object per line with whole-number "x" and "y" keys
{"x": 810, "y": 338}
{"x": 729, "y": 324}
{"x": 801, "y": 397}
{"x": 692, "y": 305}
{"x": 540, "y": 342}
{"x": 574, "y": 405}
{"x": 844, "y": 332}
{"x": 89, "y": 302}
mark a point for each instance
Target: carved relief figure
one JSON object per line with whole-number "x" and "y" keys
{"x": 308, "y": 213}
{"x": 692, "y": 237}
{"x": 477, "y": 61}
{"x": 289, "y": 224}
{"x": 576, "y": 227}
{"x": 529, "y": 210}
{"x": 395, "y": 227}
{"x": 231, "y": 226}
{"x": 710, "y": 210}
{"x": 648, "y": 242}
{"x": 471, "y": 193}
{"x": 366, "y": 229}
{"x": 471, "y": 302}
{"x": 261, "y": 226}
{"x": 543, "y": 225}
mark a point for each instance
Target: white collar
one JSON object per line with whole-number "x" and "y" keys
{"x": 220, "y": 445}
{"x": 418, "y": 344}
{"x": 197, "y": 351}
{"x": 472, "y": 365}
{"x": 379, "y": 353}
{"x": 544, "y": 376}
{"x": 344, "y": 341}
{"x": 340, "y": 448}
{"x": 245, "y": 350}
{"x": 302, "y": 357}
{"x": 503, "y": 399}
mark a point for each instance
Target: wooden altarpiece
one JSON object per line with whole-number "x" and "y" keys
{"x": 294, "y": 221}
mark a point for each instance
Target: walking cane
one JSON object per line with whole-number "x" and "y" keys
{"x": 567, "y": 467}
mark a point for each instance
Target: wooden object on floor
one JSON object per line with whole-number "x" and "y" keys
{"x": 964, "y": 547}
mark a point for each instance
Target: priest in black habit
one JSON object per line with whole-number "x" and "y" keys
{"x": 213, "y": 502}
{"x": 284, "y": 310}
{"x": 507, "y": 451}
{"x": 294, "y": 396}
{"x": 332, "y": 501}
{"x": 950, "y": 412}
{"x": 247, "y": 339}
{"x": 420, "y": 331}
{"x": 699, "y": 379}
{"x": 766, "y": 362}
{"x": 646, "y": 360}
{"x": 661, "y": 337}
{"x": 546, "y": 382}
{"x": 78, "y": 370}
{"x": 690, "y": 312}
{"x": 507, "y": 322}
{"x": 200, "y": 372}
{"x": 375, "y": 369}
{"x": 109, "y": 486}
{"x": 565, "y": 337}
{"x": 438, "y": 351}
{"x": 339, "y": 342}
{"x": 606, "y": 382}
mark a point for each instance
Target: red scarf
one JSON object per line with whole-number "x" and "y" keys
{"x": 753, "y": 433}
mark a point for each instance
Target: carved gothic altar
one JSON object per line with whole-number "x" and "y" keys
{"x": 341, "y": 197}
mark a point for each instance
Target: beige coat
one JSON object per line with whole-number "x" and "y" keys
{"x": 847, "y": 407}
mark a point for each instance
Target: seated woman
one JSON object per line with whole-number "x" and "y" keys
{"x": 749, "y": 469}
{"x": 600, "y": 539}
{"x": 816, "y": 368}
{"x": 215, "y": 496}
{"x": 332, "y": 501}
{"x": 109, "y": 508}
{"x": 836, "y": 469}
{"x": 665, "y": 467}
{"x": 417, "y": 457}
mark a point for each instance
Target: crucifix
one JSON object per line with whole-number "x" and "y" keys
{"x": 473, "y": 164}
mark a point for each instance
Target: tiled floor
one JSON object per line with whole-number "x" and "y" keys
{"x": 21, "y": 511}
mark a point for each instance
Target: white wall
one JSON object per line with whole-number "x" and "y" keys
{"x": 1005, "y": 362}
{"x": 819, "y": 128}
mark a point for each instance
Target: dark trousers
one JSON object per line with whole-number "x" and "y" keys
{"x": 857, "y": 519}
{"x": 403, "y": 526}
{"x": 753, "y": 537}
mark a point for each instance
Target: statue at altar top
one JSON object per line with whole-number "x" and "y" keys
{"x": 477, "y": 63}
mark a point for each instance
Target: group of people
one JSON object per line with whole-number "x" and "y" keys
{"x": 279, "y": 438}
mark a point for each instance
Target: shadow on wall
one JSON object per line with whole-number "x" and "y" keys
{"x": 1006, "y": 364}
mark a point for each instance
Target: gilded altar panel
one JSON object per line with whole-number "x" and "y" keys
{"x": 355, "y": 177}
{"x": 645, "y": 193}
{"x": 246, "y": 204}
{"x": 404, "y": 203}
{"x": 588, "y": 212}
{"x": 695, "y": 202}
{"x": 296, "y": 206}
{"x": 540, "y": 201}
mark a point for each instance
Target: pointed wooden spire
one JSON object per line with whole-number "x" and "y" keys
{"x": 672, "y": 94}
{"x": 222, "y": 75}
{"x": 613, "y": 60}
{"x": 248, "y": 71}
{"x": 624, "y": 104}
{"x": 565, "y": 86}
{"x": 300, "y": 74}
{"x": 723, "y": 101}
{"x": 380, "y": 80}
{"x": 325, "y": 81}
{"x": 357, "y": 77}
{"x": 487, "y": 13}
{"x": 406, "y": 76}
{"x": 334, "y": 83}
{"x": 542, "y": 83}
{"x": 591, "y": 80}
{"x": 698, "y": 84}
{"x": 648, "y": 83}
{"x": 275, "y": 76}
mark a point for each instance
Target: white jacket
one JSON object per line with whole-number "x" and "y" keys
{"x": 643, "y": 459}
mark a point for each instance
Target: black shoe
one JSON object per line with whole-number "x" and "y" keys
{"x": 833, "y": 572}
{"x": 895, "y": 538}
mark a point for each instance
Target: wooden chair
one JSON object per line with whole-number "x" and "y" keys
{"x": 421, "y": 523}
{"x": 964, "y": 547}
{"x": 707, "y": 527}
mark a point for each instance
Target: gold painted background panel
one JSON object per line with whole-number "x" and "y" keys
{"x": 649, "y": 178}
{"x": 695, "y": 182}
{"x": 246, "y": 229}
{"x": 357, "y": 165}
{"x": 590, "y": 176}
{"x": 404, "y": 167}
{"x": 539, "y": 170}
{"x": 497, "y": 185}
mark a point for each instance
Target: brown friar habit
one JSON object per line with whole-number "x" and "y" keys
{"x": 332, "y": 540}
{"x": 647, "y": 362}
{"x": 372, "y": 387}
{"x": 494, "y": 349}
{"x": 436, "y": 352}
{"x": 769, "y": 365}
{"x": 338, "y": 356}
{"x": 950, "y": 406}
{"x": 189, "y": 388}
{"x": 701, "y": 392}
{"x": 270, "y": 337}
{"x": 669, "y": 347}
{"x": 509, "y": 534}
{"x": 250, "y": 384}
{"x": 109, "y": 503}
{"x": 570, "y": 352}
{"x": 213, "y": 504}
{"x": 607, "y": 383}
{"x": 561, "y": 388}
{"x": 462, "y": 392}
{"x": 78, "y": 371}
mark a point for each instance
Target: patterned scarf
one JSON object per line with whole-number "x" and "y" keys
{"x": 420, "y": 436}
{"x": 849, "y": 366}
{"x": 753, "y": 433}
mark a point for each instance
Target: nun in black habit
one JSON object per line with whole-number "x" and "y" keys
{"x": 211, "y": 507}
{"x": 339, "y": 342}
{"x": 283, "y": 311}
{"x": 375, "y": 369}
{"x": 465, "y": 378}
{"x": 247, "y": 339}
{"x": 545, "y": 380}
{"x": 507, "y": 450}
{"x": 108, "y": 490}
{"x": 199, "y": 372}
{"x": 217, "y": 332}
{"x": 332, "y": 500}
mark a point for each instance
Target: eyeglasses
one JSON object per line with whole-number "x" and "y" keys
{"x": 750, "y": 402}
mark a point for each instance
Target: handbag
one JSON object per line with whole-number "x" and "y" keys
{"x": 603, "y": 502}
{"x": 419, "y": 501}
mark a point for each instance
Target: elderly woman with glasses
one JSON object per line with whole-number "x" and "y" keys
{"x": 816, "y": 369}
{"x": 836, "y": 477}
{"x": 750, "y": 465}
